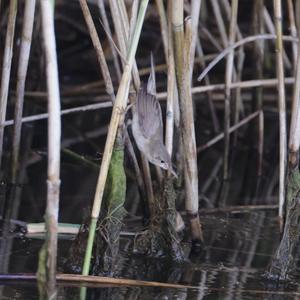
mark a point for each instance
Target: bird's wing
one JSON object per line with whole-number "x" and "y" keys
{"x": 149, "y": 114}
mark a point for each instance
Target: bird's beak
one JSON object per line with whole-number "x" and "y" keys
{"x": 173, "y": 172}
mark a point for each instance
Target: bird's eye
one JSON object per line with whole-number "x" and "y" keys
{"x": 162, "y": 161}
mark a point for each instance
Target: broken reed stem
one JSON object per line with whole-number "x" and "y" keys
{"x": 6, "y": 67}
{"x": 105, "y": 22}
{"x": 294, "y": 140}
{"x": 54, "y": 134}
{"x": 228, "y": 80}
{"x": 118, "y": 108}
{"x": 98, "y": 48}
{"x": 241, "y": 42}
{"x": 21, "y": 77}
{"x": 281, "y": 105}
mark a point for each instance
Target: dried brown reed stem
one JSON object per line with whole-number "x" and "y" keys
{"x": 243, "y": 41}
{"x": 171, "y": 86}
{"x": 43, "y": 116}
{"x": 294, "y": 138}
{"x": 228, "y": 80}
{"x": 54, "y": 134}
{"x": 163, "y": 26}
{"x": 178, "y": 39}
{"x": 293, "y": 29}
{"x": 6, "y": 67}
{"x": 21, "y": 77}
{"x": 182, "y": 43}
{"x": 281, "y": 105}
{"x": 195, "y": 13}
{"x": 97, "y": 280}
{"x": 231, "y": 129}
{"x": 101, "y": 60}
{"x": 220, "y": 22}
{"x": 145, "y": 162}
{"x": 105, "y": 22}
{"x": 161, "y": 96}
{"x": 121, "y": 25}
{"x": 172, "y": 95}
{"x": 243, "y": 85}
{"x": 117, "y": 113}
{"x": 189, "y": 140}
{"x": 271, "y": 29}
{"x": 133, "y": 17}
{"x": 99, "y": 51}
{"x": 258, "y": 61}
{"x": 238, "y": 103}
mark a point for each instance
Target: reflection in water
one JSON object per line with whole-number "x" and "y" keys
{"x": 238, "y": 249}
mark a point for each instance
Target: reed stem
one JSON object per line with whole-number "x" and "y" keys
{"x": 118, "y": 108}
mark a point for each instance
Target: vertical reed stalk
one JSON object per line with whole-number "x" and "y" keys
{"x": 259, "y": 60}
{"x": 182, "y": 59}
{"x": 271, "y": 28}
{"x": 189, "y": 139}
{"x": 99, "y": 51}
{"x": 293, "y": 29}
{"x": 145, "y": 163}
{"x": 6, "y": 67}
{"x": 228, "y": 81}
{"x": 104, "y": 18}
{"x": 281, "y": 105}
{"x": 133, "y": 17}
{"x": 22, "y": 72}
{"x": 195, "y": 13}
{"x": 121, "y": 25}
{"x": 294, "y": 140}
{"x": 221, "y": 26}
{"x": 119, "y": 106}
{"x": 238, "y": 103}
{"x": 54, "y": 134}
{"x": 178, "y": 39}
{"x": 163, "y": 26}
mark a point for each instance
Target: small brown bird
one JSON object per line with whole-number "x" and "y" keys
{"x": 147, "y": 125}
